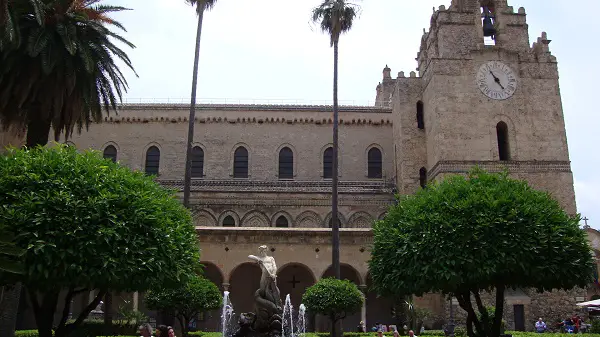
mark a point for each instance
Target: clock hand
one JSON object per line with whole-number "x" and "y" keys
{"x": 497, "y": 80}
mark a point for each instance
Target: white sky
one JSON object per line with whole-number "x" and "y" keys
{"x": 268, "y": 50}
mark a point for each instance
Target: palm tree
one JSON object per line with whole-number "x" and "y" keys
{"x": 59, "y": 71}
{"x": 334, "y": 18}
{"x": 201, "y": 6}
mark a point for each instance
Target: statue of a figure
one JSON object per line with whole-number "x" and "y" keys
{"x": 268, "y": 300}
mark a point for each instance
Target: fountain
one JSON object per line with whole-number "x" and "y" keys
{"x": 266, "y": 321}
{"x": 226, "y": 314}
{"x": 301, "y": 328}
{"x": 288, "y": 318}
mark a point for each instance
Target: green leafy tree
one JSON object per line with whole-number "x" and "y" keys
{"x": 87, "y": 223}
{"x": 58, "y": 65}
{"x": 480, "y": 232}
{"x": 201, "y": 6}
{"x": 186, "y": 301}
{"x": 335, "y": 17}
{"x": 333, "y": 298}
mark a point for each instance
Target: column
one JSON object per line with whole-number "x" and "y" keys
{"x": 225, "y": 286}
{"x": 363, "y": 310}
{"x": 136, "y": 301}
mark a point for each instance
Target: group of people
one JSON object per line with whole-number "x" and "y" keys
{"x": 381, "y": 328}
{"x": 161, "y": 331}
{"x": 574, "y": 324}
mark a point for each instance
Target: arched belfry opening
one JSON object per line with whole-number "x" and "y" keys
{"x": 503, "y": 143}
{"x": 488, "y": 22}
{"x": 420, "y": 116}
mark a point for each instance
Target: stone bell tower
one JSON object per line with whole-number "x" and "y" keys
{"x": 492, "y": 101}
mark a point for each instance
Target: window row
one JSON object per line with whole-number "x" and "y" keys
{"x": 240, "y": 162}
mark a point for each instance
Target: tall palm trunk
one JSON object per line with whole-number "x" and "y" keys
{"x": 38, "y": 130}
{"x": 188, "y": 156}
{"x": 336, "y": 328}
{"x": 9, "y": 308}
{"x": 335, "y": 228}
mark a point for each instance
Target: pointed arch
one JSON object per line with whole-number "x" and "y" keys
{"x": 255, "y": 218}
{"x": 308, "y": 219}
{"x": 204, "y": 218}
{"x": 240, "y": 162}
{"x": 226, "y": 217}
{"x": 341, "y": 219}
{"x": 374, "y": 162}
{"x": 286, "y": 163}
{"x": 360, "y": 219}
{"x": 277, "y": 217}
{"x": 152, "y": 162}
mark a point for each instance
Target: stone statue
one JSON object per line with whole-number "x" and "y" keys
{"x": 266, "y": 321}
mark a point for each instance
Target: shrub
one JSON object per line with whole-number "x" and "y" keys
{"x": 88, "y": 223}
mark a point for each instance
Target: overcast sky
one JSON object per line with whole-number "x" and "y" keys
{"x": 267, "y": 50}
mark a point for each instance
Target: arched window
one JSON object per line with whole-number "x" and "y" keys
{"x": 423, "y": 177}
{"x": 229, "y": 221}
{"x": 420, "y": 116}
{"x": 197, "y": 162}
{"x": 503, "y": 146}
{"x": 110, "y": 152}
{"x": 282, "y": 222}
{"x": 331, "y": 222}
{"x": 152, "y": 160}
{"x": 328, "y": 163}
{"x": 374, "y": 163}
{"x": 286, "y": 163}
{"x": 240, "y": 163}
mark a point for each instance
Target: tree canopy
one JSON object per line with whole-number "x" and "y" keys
{"x": 333, "y": 298}
{"x": 479, "y": 232}
{"x": 187, "y": 300}
{"x": 88, "y": 223}
{"x": 58, "y": 65}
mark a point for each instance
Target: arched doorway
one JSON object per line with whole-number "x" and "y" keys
{"x": 211, "y": 321}
{"x": 379, "y": 308}
{"x": 243, "y": 282}
{"x": 293, "y": 279}
{"x": 347, "y": 272}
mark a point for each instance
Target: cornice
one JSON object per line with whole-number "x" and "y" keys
{"x": 248, "y": 120}
{"x": 255, "y": 107}
{"x": 458, "y": 166}
{"x": 207, "y": 108}
{"x": 252, "y": 186}
{"x": 281, "y": 236}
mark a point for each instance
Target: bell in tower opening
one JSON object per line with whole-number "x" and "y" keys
{"x": 489, "y": 29}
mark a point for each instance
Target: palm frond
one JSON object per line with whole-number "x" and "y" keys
{"x": 64, "y": 69}
{"x": 335, "y": 17}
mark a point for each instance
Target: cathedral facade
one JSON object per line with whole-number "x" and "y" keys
{"x": 262, "y": 173}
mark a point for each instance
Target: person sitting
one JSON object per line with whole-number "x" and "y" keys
{"x": 540, "y": 326}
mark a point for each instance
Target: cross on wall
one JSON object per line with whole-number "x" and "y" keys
{"x": 294, "y": 281}
{"x": 585, "y": 220}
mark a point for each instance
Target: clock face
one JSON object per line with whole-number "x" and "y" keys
{"x": 496, "y": 80}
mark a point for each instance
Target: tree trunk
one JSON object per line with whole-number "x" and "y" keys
{"x": 37, "y": 132}
{"x": 499, "y": 311}
{"x": 64, "y": 330}
{"x": 187, "y": 184}
{"x": 44, "y": 307}
{"x": 108, "y": 309}
{"x": 9, "y": 309}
